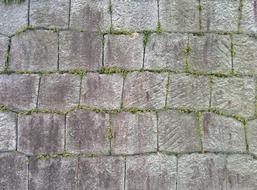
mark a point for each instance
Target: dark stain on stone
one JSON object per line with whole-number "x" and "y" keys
{"x": 255, "y": 10}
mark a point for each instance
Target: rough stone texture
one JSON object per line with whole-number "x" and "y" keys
{"x": 220, "y": 15}
{"x": 57, "y": 173}
{"x": 102, "y": 91}
{"x": 201, "y": 172}
{"x": 87, "y": 54}
{"x": 13, "y": 17}
{"x": 19, "y": 92}
{"x": 166, "y": 51}
{"x": 101, "y": 173}
{"x": 87, "y": 132}
{"x": 210, "y": 54}
{"x": 124, "y": 51}
{"x": 151, "y": 172}
{"x": 188, "y": 91}
{"x": 222, "y": 134}
{"x": 90, "y": 15}
{"x": 145, "y": 90}
{"x": 248, "y": 20}
{"x": 134, "y": 133}
{"x": 178, "y": 132}
{"x": 179, "y": 15}
{"x": 49, "y": 13}
{"x": 134, "y": 15}
{"x": 13, "y": 171}
{"x": 235, "y": 96}
{"x": 59, "y": 92}
{"x": 251, "y": 134}
{"x": 34, "y": 51}
{"x": 4, "y": 41}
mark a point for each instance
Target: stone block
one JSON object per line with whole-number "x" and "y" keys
{"x": 248, "y": 20}
{"x": 4, "y": 42}
{"x": 251, "y": 133}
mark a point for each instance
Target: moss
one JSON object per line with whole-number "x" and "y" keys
{"x": 112, "y": 70}
{"x": 8, "y": 2}
{"x": 146, "y": 36}
{"x": 24, "y": 29}
{"x": 110, "y": 136}
{"x": 54, "y": 29}
{"x": 159, "y": 28}
{"x": 110, "y": 7}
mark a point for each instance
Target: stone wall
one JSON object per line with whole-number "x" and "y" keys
{"x": 128, "y": 95}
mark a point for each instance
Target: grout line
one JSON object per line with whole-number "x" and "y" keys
{"x": 80, "y": 89}
{"x": 28, "y": 12}
{"x": 103, "y": 50}
{"x": 16, "y": 131}
{"x": 38, "y": 91}
{"x": 158, "y": 130}
{"x": 211, "y": 83}
{"x": 65, "y": 132}
{"x": 125, "y": 172}
{"x": 77, "y": 173}
{"x": 240, "y": 14}
{"x": 246, "y": 139}
{"x": 58, "y": 51}
{"x": 28, "y": 167}
{"x": 8, "y": 55}
{"x": 167, "y": 91}
{"x": 69, "y": 14}
{"x": 122, "y": 91}
{"x": 110, "y": 134}
{"x": 177, "y": 172}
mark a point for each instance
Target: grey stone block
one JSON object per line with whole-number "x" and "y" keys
{"x": 49, "y": 13}
{"x": 91, "y": 15}
{"x": 179, "y": 15}
{"x": 19, "y": 92}
{"x": 248, "y": 19}
{"x": 188, "y": 91}
{"x": 102, "y": 91}
{"x": 101, "y": 173}
{"x": 251, "y": 134}
{"x": 4, "y": 41}
{"x": 235, "y": 96}
{"x": 87, "y": 132}
{"x": 145, "y": 90}
{"x": 178, "y": 132}
{"x": 221, "y": 133}
{"x": 151, "y": 172}
{"x": 134, "y": 133}
{"x": 134, "y": 15}
{"x": 59, "y": 92}
{"x": 80, "y": 50}
{"x": 201, "y": 172}
{"x": 166, "y": 51}
{"x": 34, "y": 51}
{"x": 124, "y": 51}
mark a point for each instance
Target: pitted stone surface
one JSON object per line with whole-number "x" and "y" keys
{"x": 3, "y": 51}
{"x": 134, "y": 133}
{"x": 251, "y": 133}
{"x": 124, "y": 51}
{"x": 178, "y": 132}
{"x": 34, "y": 51}
{"x": 87, "y": 132}
{"x": 86, "y": 55}
{"x": 248, "y": 20}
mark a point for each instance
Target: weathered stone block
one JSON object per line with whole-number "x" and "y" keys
{"x": 56, "y": 173}
{"x": 166, "y": 51}
{"x": 101, "y": 90}
{"x": 179, "y": 15}
{"x": 248, "y": 19}
{"x": 34, "y": 51}
{"x": 49, "y": 13}
{"x": 4, "y": 41}
{"x": 134, "y": 133}
{"x": 91, "y": 15}
{"x": 151, "y": 172}
{"x": 124, "y": 51}
{"x": 210, "y": 54}
{"x": 134, "y": 15}
{"x": 145, "y": 90}
{"x": 178, "y": 132}
{"x": 19, "y": 92}
{"x": 201, "y": 172}
{"x": 235, "y": 96}
{"x": 13, "y": 171}
{"x": 188, "y": 91}
{"x": 251, "y": 134}
{"x": 80, "y": 50}
{"x": 101, "y": 173}
{"x": 87, "y": 132}
{"x": 221, "y": 133}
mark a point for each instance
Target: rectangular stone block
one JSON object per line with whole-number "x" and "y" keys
{"x": 87, "y": 132}
{"x": 145, "y": 90}
{"x": 90, "y": 15}
{"x": 124, "y": 51}
{"x": 134, "y": 15}
{"x": 102, "y": 91}
{"x": 134, "y": 133}
{"x": 80, "y": 50}
{"x": 178, "y": 132}
{"x": 34, "y": 51}
{"x": 4, "y": 41}
{"x": 59, "y": 92}
{"x": 151, "y": 172}
{"x": 166, "y": 51}
{"x": 19, "y": 92}
{"x": 251, "y": 133}
{"x": 248, "y": 20}
{"x": 179, "y": 15}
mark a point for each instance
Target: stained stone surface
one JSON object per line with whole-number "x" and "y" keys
{"x": 86, "y": 55}
{"x": 34, "y": 51}
{"x": 151, "y": 172}
{"x": 248, "y": 20}
{"x": 124, "y": 51}
{"x": 3, "y": 51}
{"x": 166, "y": 51}
{"x": 251, "y": 136}
{"x": 178, "y": 132}
{"x": 134, "y": 133}
{"x": 87, "y": 132}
